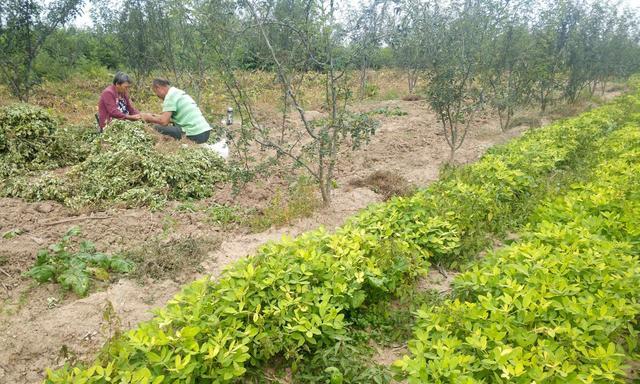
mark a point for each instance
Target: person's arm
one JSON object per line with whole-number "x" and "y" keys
{"x": 163, "y": 119}
{"x": 112, "y": 107}
{"x": 132, "y": 110}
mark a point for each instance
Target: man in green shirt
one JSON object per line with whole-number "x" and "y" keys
{"x": 179, "y": 114}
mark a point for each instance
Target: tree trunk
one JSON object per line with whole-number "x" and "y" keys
{"x": 452, "y": 153}
{"x": 412, "y": 78}
{"x": 363, "y": 79}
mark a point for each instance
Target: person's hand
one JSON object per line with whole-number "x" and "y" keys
{"x": 135, "y": 117}
{"x": 145, "y": 116}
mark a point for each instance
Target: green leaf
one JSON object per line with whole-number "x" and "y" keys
{"x": 12, "y": 233}
{"x": 75, "y": 279}
{"x": 120, "y": 265}
{"x": 99, "y": 273}
{"x": 42, "y": 273}
{"x": 357, "y": 299}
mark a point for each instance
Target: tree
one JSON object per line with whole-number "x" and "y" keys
{"x": 550, "y": 33}
{"x": 316, "y": 146}
{"x": 367, "y": 33}
{"x": 416, "y": 22}
{"x": 453, "y": 92}
{"x": 25, "y": 26}
{"x": 505, "y": 74}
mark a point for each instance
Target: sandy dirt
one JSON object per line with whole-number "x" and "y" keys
{"x": 42, "y": 327}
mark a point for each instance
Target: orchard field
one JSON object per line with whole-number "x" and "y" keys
{"x": 416, "y": 192}
{"x": 48, "y": 326}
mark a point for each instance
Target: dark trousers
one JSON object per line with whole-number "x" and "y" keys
{"x": 176, "y": 132}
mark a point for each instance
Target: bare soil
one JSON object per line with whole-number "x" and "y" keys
{"x": 42, "y": 327}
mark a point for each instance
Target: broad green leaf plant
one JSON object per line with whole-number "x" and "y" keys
{"x": 561, "y": 304}
{"x": 74, "y": 268}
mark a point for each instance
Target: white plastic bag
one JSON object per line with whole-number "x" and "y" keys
{"x": 221, "y": 148}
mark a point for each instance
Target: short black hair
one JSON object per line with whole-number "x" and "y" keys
{"x": 121, "y": 78}
{"x": 160, "y": 83}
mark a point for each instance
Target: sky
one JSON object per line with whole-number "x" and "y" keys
{"x": 84, "y": 19}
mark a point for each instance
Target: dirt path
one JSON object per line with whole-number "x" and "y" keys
{"x": 41, "y": 327}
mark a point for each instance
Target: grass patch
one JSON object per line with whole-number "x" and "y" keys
{"x": 529, "y": 121}
{"x": 389, "y": 112}
{"x": 225, "y": 216}
{"x": 390, "y": 95}
{"x": 169, "y": 260}
{"x": 617, "y": 87}
{"x": 411, "y": 97}
{"x": 299, "y": 200}
{"x": 386, "y": 183}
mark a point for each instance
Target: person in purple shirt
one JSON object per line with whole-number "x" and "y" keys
{"x": 114, "y": 102}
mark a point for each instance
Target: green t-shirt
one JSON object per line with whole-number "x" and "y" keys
{"x": 186, "y": 113}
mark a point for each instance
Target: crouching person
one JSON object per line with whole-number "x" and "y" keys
{"x": 180, "y": 114}
{"x": 114, "y": 102}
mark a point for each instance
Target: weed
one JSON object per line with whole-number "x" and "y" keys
{"x": 52, "y": 302}
{"x": 300, "y": 200}
{"x": 390, "y": 95}
{"x": 529, "y": 121}
{"x": 389, "y": 112}
{"x": 224, "y": 215}
{"x": 73, "y": 265}
{"x": 14, "y": 307}
{"x": 411, "y": 97}
{"x": 169, "y": 224}
{"x": 386, "y": 183}
{"x": 67, "y": 355}
{"x": 160, "y": 260}
{"x": 12, "y": 233}
{"x": 348, "y": 360}
{"x": 188, "y": 206}
{"x": 112, "y": 322}
{"x": 371, "y": 90}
